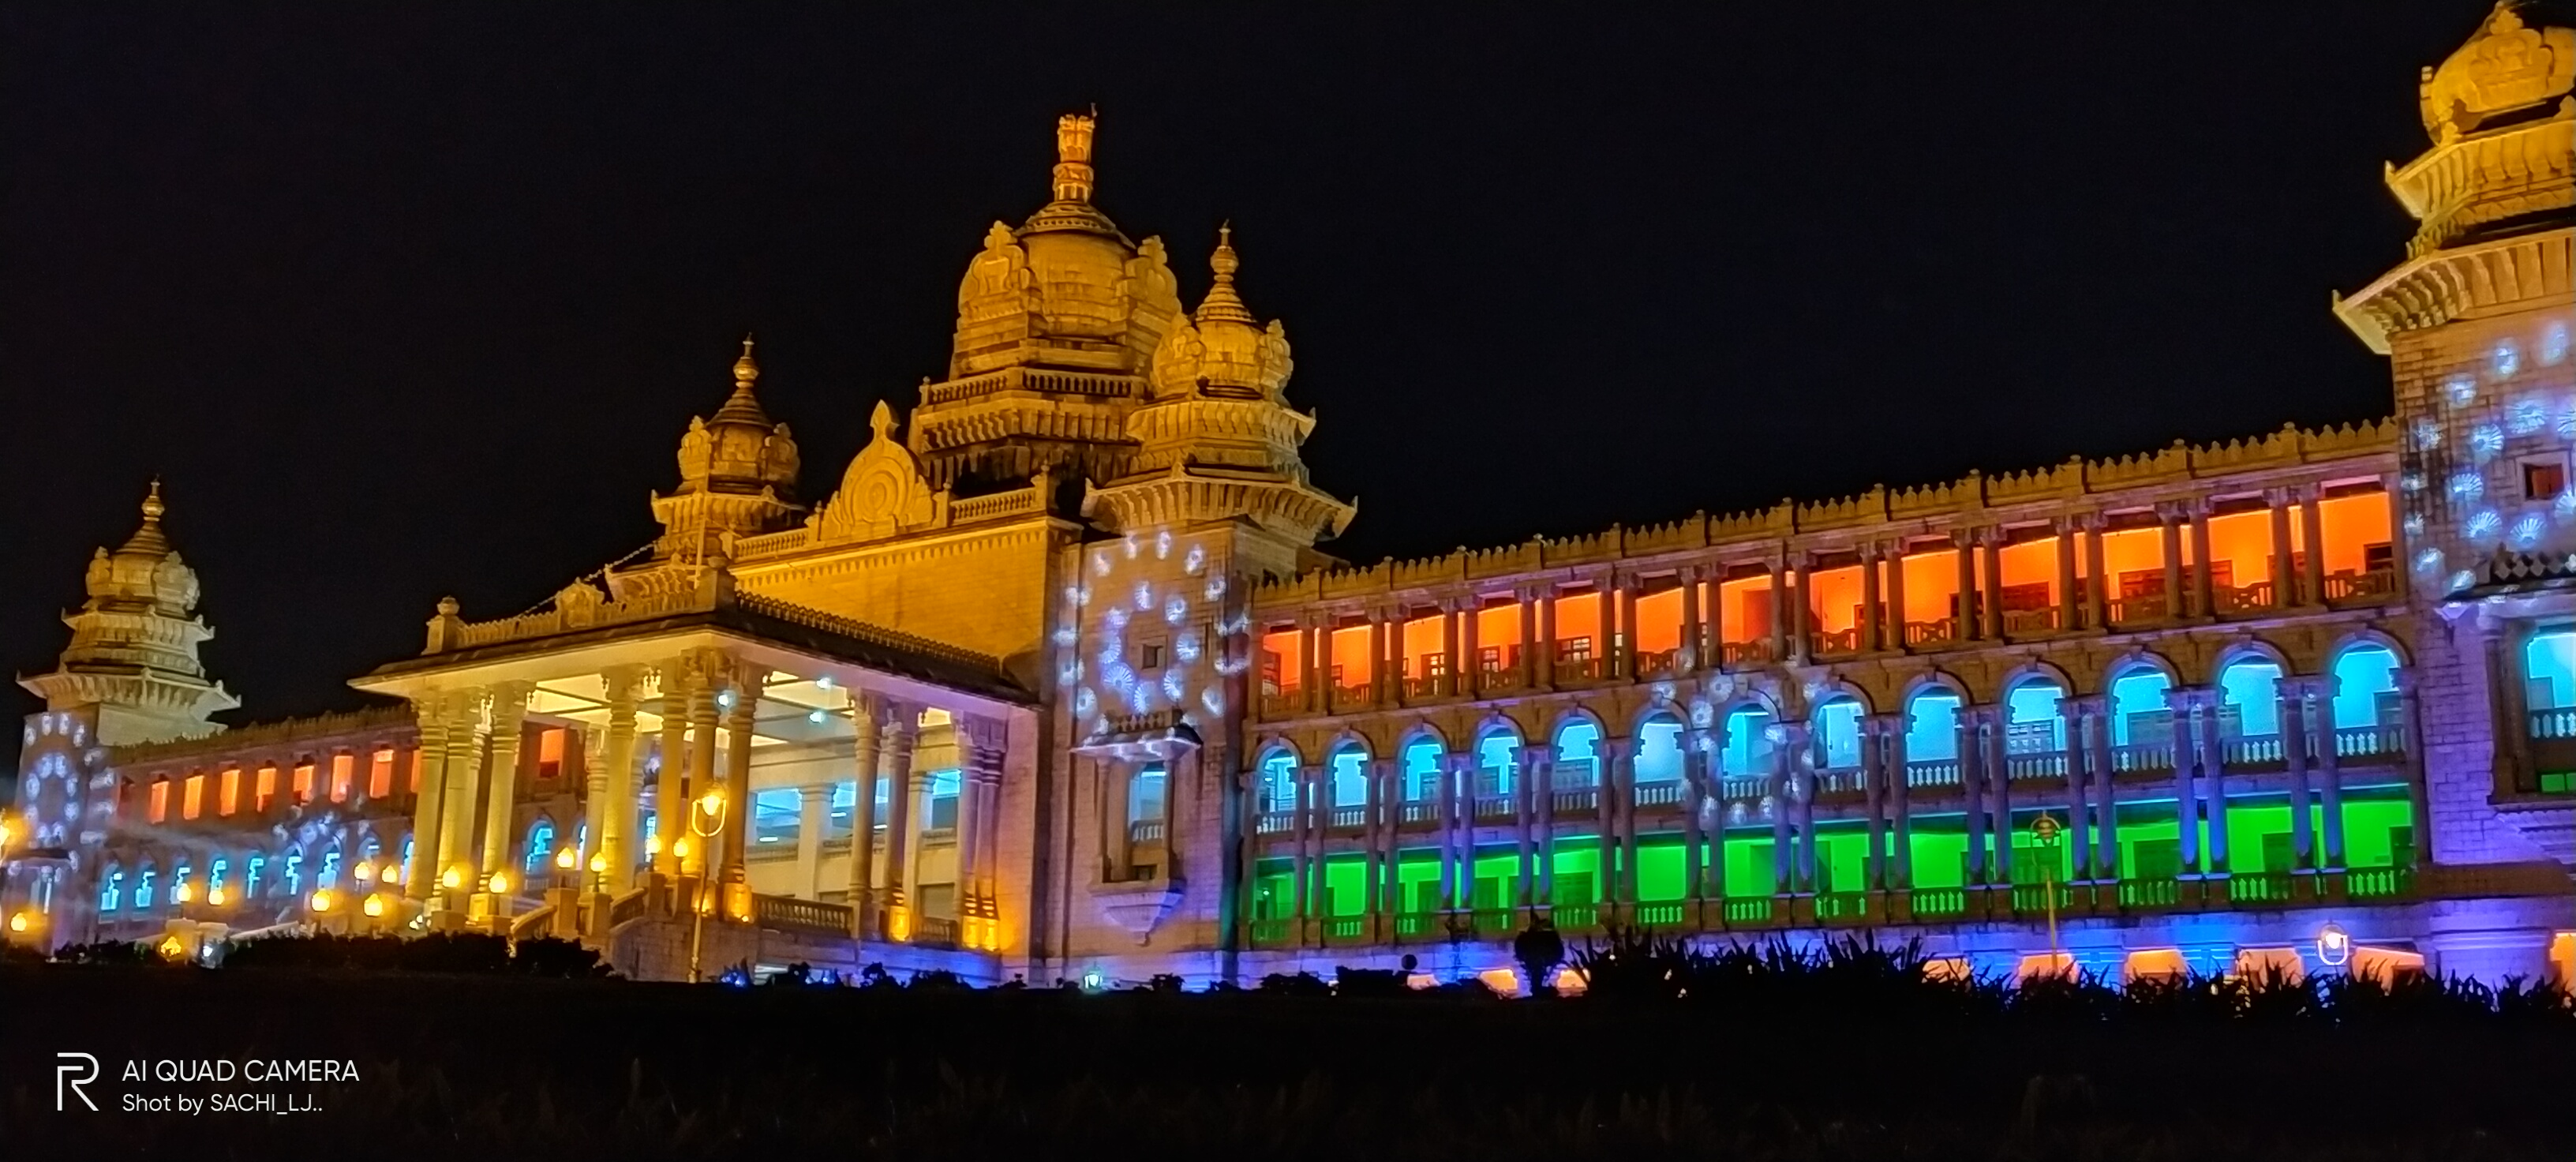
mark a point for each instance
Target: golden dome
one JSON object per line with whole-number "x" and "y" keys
{"x": 738, "y": 450}
{"x": 2522, "y": 61}
{"x": 1221, "y": 350}
{"x": 144, "y": 571}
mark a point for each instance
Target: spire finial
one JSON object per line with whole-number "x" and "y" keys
{"x": 746, "y": 370}
{"x": 1073, "y": 174}
{"x": 152, "y": 506}
{"x": 1221, "y": 301}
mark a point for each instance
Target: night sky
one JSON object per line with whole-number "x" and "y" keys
{"x": 403, "y": 301}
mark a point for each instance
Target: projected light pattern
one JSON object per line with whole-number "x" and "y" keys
{"x": 1135, "y": 668}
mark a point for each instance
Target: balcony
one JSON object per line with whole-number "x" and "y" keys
{"x": 1499, "y": 680}
{"x": 1582, "y": 668}
{"x": 1663, "y": 794}
{"x": 1417, "y": 814}
{"x": 1271, "y": 932}
{"x": 1837, "y": 643}
{"x": 2379, "y": 883}
{"x": 2375, "y": 587}
{"x": 2136, "y": 609}
{"x": 1743, "y": 786}
{"x": 1145, "y": 832}
{"x": 1275, "y": 823}
{"x": 2260, "y": 888}
{"x": 933, "y": 932}
{"x": 1347, "y": 818}
{"x": 1355, "y": 696}
{"x": 2259, "y": 752}
{"x": 1577, "y": 802}
{"x": 1736, "y": 655}
{"x": 2136, "y": 757}
{"x": 1932, "y": 773}
{"x": 1574, "y": 917}
{"x": 1286, "y": 703}
{"x": 2369, "y": 741}
{"x": 2030, "y": 622}
{"x": 1839, "y": 780}
{"x": 1658, "y": 663}
{"x": 1426, "y": 686}
{"x": 2036, "y": 766}
{"x": 1940, "y": 631}
{"x": 1493, "y": 807}
{"x": 1933, "y": 903}
{"x": 2254, "y": 598}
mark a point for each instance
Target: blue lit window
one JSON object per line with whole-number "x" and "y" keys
{"x": 143, "y": 887}
{"x": 2366, "y": 684}
{"x": 215, "y": 876}
{"x": 330, "y": 875}
{"x": 113, "y": 888}
{"x": 943, "y": 800}
{"x": 1278, "y": 787}
{"x": 1659, "y": 751}
{"x": 776, "y": 818}
{"x": 1748, "y": 743}
{"x": 1350, "y": 777}
{"x": 1932, "y": 727}
{"x": 839, "y": 817}
{"x": 251, "y": 869}
{"x": 2249, "y": 705}
{"x": 2138, "y": 711}
{"x": 1422, "y": 771}
{"x": 1578, "y": 756}
{"x": 1145, "y": 794}
{"x": 1497, "y": 762}
{"x": 541, "y": 844}
{"x": 1837, "y": 727}
{"x": 295, "y": 873}
{"x": 2032, "y": 722}
{"x": 2549, "y": 669}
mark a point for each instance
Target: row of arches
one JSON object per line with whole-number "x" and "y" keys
{"x": 2364, "y": 695}
{"x": 254, "y": 879}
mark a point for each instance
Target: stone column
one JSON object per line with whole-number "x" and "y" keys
{"x": 1873, "y": 621}
{"x": 702, "y": 771}
{"x": 1313, "y": 670}
{"x": 420, "y": 872}
{"x": 2097, "y": 588}
{"x": 1548, "y": 646}
{"x": 1873, "y": 776}
{"x": 2312, "y": 571}
{"x": 1623, "y": 766}
{"x": 1972, "y": 791}
{"x": 2292, "y": 693}
{"x": 1780, "y": 599}
{"x": 1461, "y": 790}
{"x": 1471, "y": 654}
{"x": 1300, "y": 880}
{"x": 1694, "y": 644}
{"x": 1532, "y": 669}
{"x": 501, "y": 782}
{"x": 981, "y": 743}
{"x": 2170, "y": 517}
{"x": 1457, "y": 664}
{"x": 2079, "y": 834}
{"x": 1900, "y": 777}
{"x": 1694, "y": 742}
{"x": 1544, "y": 823}
{"x": 2329, "y": 755}
{"x": 465, "y": 738}
{"x": 1965, "y": 625}
{"x": 671, "y": 786}
{"x": 813, "y": 811}
{"x": 1373, "y": 805}
{"x": 2186, "y": 760}
{"x": 739, "y": 720}
{"x": 1802, "y": 617}
{"x": 1896, "y": 595}
{"x": 900, "y": 732}
{"x": 2285, "y": 582}
{"x": 613, "y": 819}
{"x": 1447, "y": 793}
{"x": 2067, "y": 606}
{"x": 867, "y": 715}
{"x": 2200, "y": 570}
{"x": 1383, "y": 682}
{"x": 1990, "y": 542}
{"x": 1524, "y": 817}
{"x": 1999, "y": 781}
{"x": 1783, "y": 758}
{"x": 2214, "y": 773}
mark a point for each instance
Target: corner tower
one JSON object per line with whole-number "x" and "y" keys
{"x": 2476, "y": 325}
{"x": 1056, "y": 321}
{"x": 737, "y": 474}
{"x": 132, "y": 673}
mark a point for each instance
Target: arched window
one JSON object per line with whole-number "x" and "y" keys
{"x": 2249, "y": 699}
{"x": 111, "y": 889}
{"x": 253, "y": 879}
{"x": 541, "y": 846}
{"x": 1498, "y": 759}
{"x": 1748, "y": 743}
{"x": 2138, "y": 711}
{"x": 143, "y": 885}
{"x": 1145, "y": 794}
{"x": 1578, "y": 756}
{"x": 1836, "y": 724}
{"x": 179, "y": 875}
{"x": 1932, "y": 726}
{"x": 1422, "y": 770}
{"x": 1350, "y": 775}
{"x": 1659, "y": 750}
{"x": 2034, "y": 717}
{"x": 1276, "y": 788}
{"x": 329, "y": 876}
{"x": 2549, "y": 668}
{"x": 2366, "y": 686}
{"x": 215, "y": 869}
{"x": 295, "y": 875}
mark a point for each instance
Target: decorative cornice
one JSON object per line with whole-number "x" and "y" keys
{"x": 2432, "y": 289}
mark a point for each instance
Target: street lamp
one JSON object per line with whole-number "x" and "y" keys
{"x": 2045, "y": 830}
{"x": 711, "y": 808}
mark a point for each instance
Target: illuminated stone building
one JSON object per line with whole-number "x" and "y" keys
{"x": 2294, "y": 699}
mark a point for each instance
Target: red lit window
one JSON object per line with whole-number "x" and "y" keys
{"x": 380, "y": 773}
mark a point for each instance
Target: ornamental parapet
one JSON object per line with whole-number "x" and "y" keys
{"x": 260, "y": 734}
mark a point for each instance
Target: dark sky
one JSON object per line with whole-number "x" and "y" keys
{"x": 411, "y": 300}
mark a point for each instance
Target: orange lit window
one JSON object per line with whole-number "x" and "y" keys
{"x": 2543, "y": 479}
{"x": 160, "y": 798}
{"x": 304, "y": 782}
{"x": 1425, "y": 647}
{"x": 1281, "y": 662}
{"x": 228, "y": 792}
{"x": 344, "y": 771}
{"x": 263, "y": 789}
{"x": 192, "y": 799}
{"x": 550, "y": 753}
{"x": 380, "y": 773}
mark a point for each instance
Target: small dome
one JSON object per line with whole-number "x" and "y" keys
{"x": 2522, "y": 61}
{"x": 738, "y": 450}
{"x": 1221, "y": 350}
{"x": 145, "y": 570}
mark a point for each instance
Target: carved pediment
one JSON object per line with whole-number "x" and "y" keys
{"x": 883, "y": 493}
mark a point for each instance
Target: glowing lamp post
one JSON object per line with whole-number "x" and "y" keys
{"x": 706, "y": 818}
{"x": 2045, "y": 830}
{"x": 322, "y": 902}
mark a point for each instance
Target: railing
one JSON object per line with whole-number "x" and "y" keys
{"x": 1839, "y": 781}
{"x": 2019, "y": 622}
{"x": 1755, "y": 910}
{"x": 2033, "y": 899}
{"x": 1494, "y": 807}
{"x": 1410, "y": 924}
{"x": 1932, "y": 773}
{"x": 1283, "y": 703}
{"x": 1000, "y": 504}
{"x": 2262, "y": 750}
{"x": 1270, "y": 933}
{"x": 2375, "y": 585}
{"x": 1570, "y": 917}
{"x": 2149, "y": 893}
{"x": 1357, "y": 696}
{"x": 2042, "y": 765}
{"x": 626, "y": 907}
{"x": 1658, "y": 663}
{"x": 2379, "y": 883}
{"x": 1663, "y": 794}
{"x": 1145, "y": 831}
{"x": 1493, "y": 921}
{"x": 933, "y": 932}
{"x": 1934, "y": 902}
{"x": 2142, "y": 756}
{"x": 2145, "y": 607}
{"x": 1829, "y": 643}
{"x": 1347, "y": 818}
{"x": 532, "y": 924}
{"x": 1498, "y": 681}
{"x": 2369, "y": 741}
{"x": 1345, "y": 927}
{"x": 2241, "y": 598}
{"x": 1842, "y": 907}
{"x": 947, "y": 836}
{"x": 1743, "y": 786}
{"x": 1582, "y": 802}
{"x": 1426, "y": 686}
{"x": 2554, "y": 724}
{"x": 788, "y": 914}
{"x": 1659, "y": 915}
{"x": 1274, "y": 822}
{"x": 1581, "y": 668}
{"x": 1029, "y": 379}
{"x": 1938, "y": 631}
{"x": 2259, "y": 888}
{"x": 1754, "y": 653}
{"x": 1410, "y": 814}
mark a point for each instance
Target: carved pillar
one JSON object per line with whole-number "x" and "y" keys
{"x": 1544, "y": 599}
{"x": 1533, "y": 670}
{"x": 420, "y": 870}
{"x": 1623, "y": 767}
{"x": 1383, "y": 683}
{"x": 1694, "y": 644}
{"x": 2097, "y": 588}
{"x": 1457, "y": 830}
{"x": 738, "y": 729}
{"x": 501, "y": 782}
{"x": 2186, "y": 761}
{"x": 2312, "y": 567}
{"x": 2329, "y": 754}
{"x": 2214, "y": 775}
{"x": 2292, "y": 694}
{"x": 1524, "y": 817}
{"x": 2068, "y": 608}
{"x": 702, "y": 769}
{"x": 1695, "y": 798}
{"x": 1374, "y": 805}
{"x": 813, "y": 813}
{"x": 2094, "y": 739}
{"x": 2170, "y": 517}
{"x": 1999, "y": 781}
{"x": 1780, "y": 599}
{"x": 899, "y": 734}
{"x": 1623, "y": 659}
{"x": 1299, "y": 877}
{"x": 1312, "y": 668}
{"x": 982, "y": 742}
{"x": 1469, "y": 660}
{"x": 1783, "y": 758}
{"x": 2071, "y": 749}
{"x": 1873, "y": 621}
{"x": 2285, "y": 582}
{"x": 1900, "y": 808}
{"x": 465, "y": 737}
{"x": 1990, "y": 542}
{"x": 1543, "y": 826}
{"x": 1895, "y": 639}
{"x": 2202, "y": 605}
{"x": 1802, "y": 617}
{"x": 613, "y": 818}
{"x": 866, "y": 723}
{"x": 1873, "y": 777}
{"x": 1449, "y": 683}
{"x": 1965, "y": 619}
{"x": 671, "y": 785}
{"x": 1972, "y": 789}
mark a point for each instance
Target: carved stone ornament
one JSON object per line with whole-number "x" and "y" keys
{"x": 1138, "y": 908}
{"x": 883, "y": 493}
